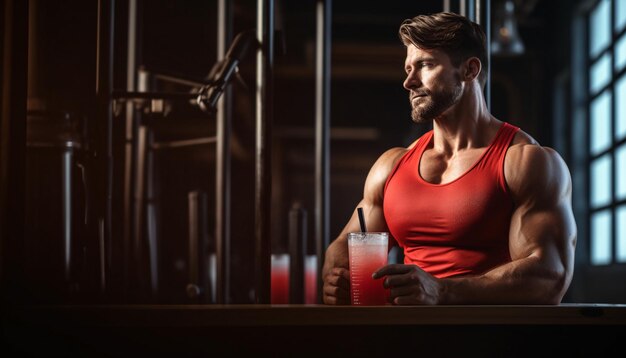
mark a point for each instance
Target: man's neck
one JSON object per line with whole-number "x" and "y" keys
{"x": 465, "y": 125}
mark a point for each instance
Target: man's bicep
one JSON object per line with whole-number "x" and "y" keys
{"x": 543, "y": 227}
{"x": 373, "y": 215}
{"x": 542, "y": 192}
{"x": 373, "y": 190}
{"x": 544, "y": 247}
{"x": 546, "y": 233}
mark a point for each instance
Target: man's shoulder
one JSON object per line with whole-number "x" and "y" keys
{"x": 388, "y": 160}
{"x": 393, "y": 154}
{"x": 523, "y": 138}
{"x": 525, "y": 150}
{"x": 379, "y": 173}
{"x": 530, "y": 166}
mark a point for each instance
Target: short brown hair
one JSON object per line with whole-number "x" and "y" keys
{"x": 455, "y": 35}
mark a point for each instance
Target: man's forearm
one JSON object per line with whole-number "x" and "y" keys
{"x": 524, "y": 281}
{"x": 336, "y": 254}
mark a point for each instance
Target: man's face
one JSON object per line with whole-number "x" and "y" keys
{"x": 434, "y": 84}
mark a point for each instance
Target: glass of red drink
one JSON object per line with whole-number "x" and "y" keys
{"x": 279, "y": 279}
{"x": 367, "y": 252}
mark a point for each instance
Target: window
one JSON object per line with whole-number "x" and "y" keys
{"x": 606, "y": 153}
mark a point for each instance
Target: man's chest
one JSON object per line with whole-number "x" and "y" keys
{"x": 440, "y": 169}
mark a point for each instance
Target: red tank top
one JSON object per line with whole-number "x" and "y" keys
{"x": 456, "y": 228}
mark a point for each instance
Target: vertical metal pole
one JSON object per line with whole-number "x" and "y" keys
{"x": 264, "y": 117}
{"x": 193, "y": 287}
{"x": 131, "y": 75}
{"x": 198, "y": 288}
{"x": 222, "y": 162}
{"x": 297, "y": 253}
{"x": 487, "y": 27}
{"x": 67, "y": 156}
{"x": 104, "y": 124}
{"x": 101, "y": 256}
{"x": 579, "y": 146}
{"x": 322, "y": 134}
{"x": 479, "y": 17}
{"x": 477, "y": 9}
{"x": 470, "y": 9}
{"x": 140, "y": 152}
{"x": 140, "y": 209}
{"x": 446, "y": 5}
{"x": 151, "y": 215}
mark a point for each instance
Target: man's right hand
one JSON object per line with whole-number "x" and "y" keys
{"x": 336, "y": 273}
{"x": 337, "y": 286}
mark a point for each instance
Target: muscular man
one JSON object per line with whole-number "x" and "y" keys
{"x": 481, "y": 210}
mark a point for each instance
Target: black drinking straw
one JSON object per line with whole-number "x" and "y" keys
{"x": 361, "y": 219}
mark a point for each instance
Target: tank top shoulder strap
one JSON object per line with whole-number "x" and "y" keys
{"x": 507, "y": 132}
{"x": 494, "y": 159}
{"x": 422, "y": 142}
{"x": 411, "y": 155}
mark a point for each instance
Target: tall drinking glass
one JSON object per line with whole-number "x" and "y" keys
{"x": 367, "y": 252}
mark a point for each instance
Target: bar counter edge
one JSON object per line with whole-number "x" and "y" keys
{"x": 312, "y": 315}
{"x": 314, "y": 330}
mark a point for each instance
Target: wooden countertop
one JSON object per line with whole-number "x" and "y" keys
{"x": 586, "y": 330}
{"x": 316, "y": 315}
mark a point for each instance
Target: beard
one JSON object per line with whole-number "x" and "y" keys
{"x": 433, "y": 104}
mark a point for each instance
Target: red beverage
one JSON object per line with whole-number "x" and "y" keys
{"x": 280, "y": 279}
{"x": 367, "y": 253}
{"x": 310, "y": 279}
{"x": 281, "y": 275}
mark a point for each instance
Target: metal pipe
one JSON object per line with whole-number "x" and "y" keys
{"x": 222, "y": 161}
{"x": 152, "y": 216}
{"x": 102, "y": 256}
{"x": 470, "y": 9}
{"x": 67, "y": 156}
{"x": 487, "y": 27}
{"x": 467, "y": 8}
{"x": 177, "y": 80}
{"x": 131, "y": 75}
{"x": 193, "y": 287}
{"x": 473, "y": 9}
{"x": 139, "y": 152}
{"x": 199, "y": 287}
{"x": 183, "y": 143}
{"x": 322, "y": 134}
{"x": 297, "y": 253}
{"x": 181, "y": 96}
{"x": 104, "y": 120}
{"x": 264, "y": 116}
{"x": 204, "y": 254}
{"x": 139, "y": 208}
